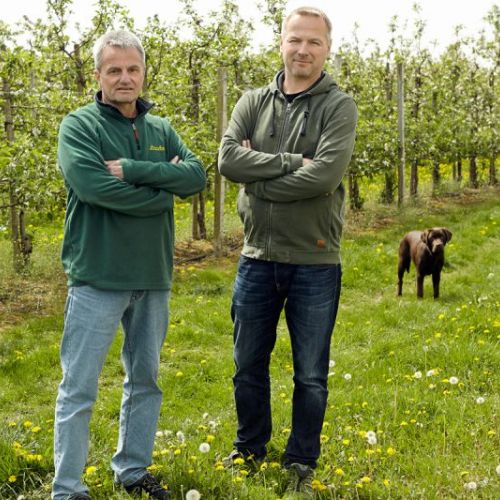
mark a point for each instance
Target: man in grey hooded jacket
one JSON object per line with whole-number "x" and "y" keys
{"x": 289, "y": 144}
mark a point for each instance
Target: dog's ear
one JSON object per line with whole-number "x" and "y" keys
{"x": 447, "y": 233}
{"x": 425, "y": 236}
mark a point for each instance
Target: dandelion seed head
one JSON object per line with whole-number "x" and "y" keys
{"x": 180, "y": 436}
{"x": 204, "y": 448}
{"x": 347, "y": 376}
{"x": 498, "y": 469}
{"x": 453, "y": 380}
{"x": 193, "y": 495}
{"x": 470, "y": 486}
{"x": 417, "y": 375}
{"x": 331, "y": 364}
{"x": 480, "y": 400}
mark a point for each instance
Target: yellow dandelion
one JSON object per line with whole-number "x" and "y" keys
{"x": 366, "y": 480}
{"x": 324, "y": 438}
{"x": 12, "y": 424}
{"x": 12, "y": 479}
{"x": 219, "y": 467}
{"x": 36, "y": 429}
{"x": 391, "y": 451}
{"x": 179, "y": 374}
{"x": 177, "y": 451}
{"x": 339, "y": 471}
{"x": 346, "y": 442}
{"x": 27, "y": 424}
{"x": 210, "y": 438}
{"x": 239, "y": 461}
{"x": 90, "y": 470}
{"x": 243, "y": 473}
{"x": 275, "y": 465}
{"x": 386, "y": 482}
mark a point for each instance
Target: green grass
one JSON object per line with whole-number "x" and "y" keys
{"x": 402, "y": 355}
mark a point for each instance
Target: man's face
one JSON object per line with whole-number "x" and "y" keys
{"x": 121, "y": 76}
{"x": 304, "y": 47}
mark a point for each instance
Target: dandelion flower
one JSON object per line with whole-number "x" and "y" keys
{"x": 180, "y": 436}
{"x": 347, "y": 376}
{"x": 12, "y": 479}
{"x": 498, "y": 469}
{"x": 331, "y": 364}
{"x": 366, "y": 479}
{"x": 417, "y": 375}
{"x": 480, "y": 400}
{"x": 204, "y": 448}
{"x": 391, "y": 451}
{"x": 453, "y": 380}
{"x": 90, "y": 470}
{"x": 430, "y": 373}
{"x": 339, "y": 471}
{"x": 471, "y": 486}
{"x": 371, "y": 437}
{"x": 193, "y": 495}
{"x": 159, "y": 434}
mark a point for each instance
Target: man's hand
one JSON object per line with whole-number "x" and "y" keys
{"x": 306, "y": 161}
{"x": 246, "y": 143}
{"x": 115, "y": 168}
{"x": 175, "y": 160}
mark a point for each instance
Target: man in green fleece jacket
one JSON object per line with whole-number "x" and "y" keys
{"x": 289, "y": 144}
{"x": 122, "y": 168}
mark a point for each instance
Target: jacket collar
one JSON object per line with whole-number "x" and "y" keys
{"x": 143, "y": 106}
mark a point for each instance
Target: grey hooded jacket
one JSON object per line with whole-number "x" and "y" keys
{"x": 292, "y": 213}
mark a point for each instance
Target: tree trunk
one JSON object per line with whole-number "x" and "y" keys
{"x": 387, "y": 196}
{"x": 473, "y": 181}
{"x": 436, "y": 176}
{"x": 355, "y": 200}
{"x": 414, "y": 178}
{"x": 492, "y": 178}
{"x": 459, "y": 170}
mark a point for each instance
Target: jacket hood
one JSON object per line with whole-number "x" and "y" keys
{"x": 324, "y": 85}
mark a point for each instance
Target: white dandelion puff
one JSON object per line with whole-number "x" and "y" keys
{"x": 180, "y": 436}
{"x": 331, "y": 364}
{"x": 371, "y": 437}
{"x": 498, "y": 470}
{"x": 159, "y": 434}
{"x": 205, "y": 416}
{"x": 193, "y": 495}
{"x": 347, "y": 376}
{"x": 471, "y": 486}
{"x": 204, "y": 448}
{"x": 431, "y": 373}
{"x": 417, "y": 375}
{"x": 453, "y": 380}
{"x": 480, "y": 400}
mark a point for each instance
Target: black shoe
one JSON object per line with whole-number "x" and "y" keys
{"x": 237, "y": 457}
{"x": 79, "y": 496}
{"x": 150, "y": 485}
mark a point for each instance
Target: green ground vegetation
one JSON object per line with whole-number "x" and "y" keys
{"x": 414, "y": 394}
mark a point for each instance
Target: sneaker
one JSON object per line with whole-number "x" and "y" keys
{"x": 150, "y": 485}
{"x": 300, "y": 481}
{"x": 236, "y": 457}
{"x": 79, "y": 496}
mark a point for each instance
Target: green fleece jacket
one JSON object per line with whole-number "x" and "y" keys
{"x": 119, "y": 234}
{"x": 292, "y": 213}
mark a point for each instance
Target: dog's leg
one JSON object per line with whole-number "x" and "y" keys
{"x": 420, "y": 286}
{"x": 401, "y": 272}
{"x": 435, "y": 283}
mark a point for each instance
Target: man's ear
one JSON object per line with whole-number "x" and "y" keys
{"x": 97, "y": 75}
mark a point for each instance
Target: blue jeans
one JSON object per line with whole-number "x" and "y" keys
{"x": 91, "y": 319}
{"x": 310, "y": 296}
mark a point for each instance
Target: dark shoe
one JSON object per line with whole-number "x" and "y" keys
{"x": 79, "y": 496}
{"x": 300, "y": 478}
{"x": 150, "y": 485}
{"x": 236, "y": 457}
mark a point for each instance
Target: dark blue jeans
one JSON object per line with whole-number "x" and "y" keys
{"x": 310, "y": 296}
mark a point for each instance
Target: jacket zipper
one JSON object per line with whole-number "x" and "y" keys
{"x": 136, "y": 136}
{"x": 278, "y": 150}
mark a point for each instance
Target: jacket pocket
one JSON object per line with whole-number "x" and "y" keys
{"x": 252, "y": 212}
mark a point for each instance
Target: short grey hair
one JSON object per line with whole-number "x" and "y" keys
{"x": 311, "y": 12}
{"x": 122, "y": 39}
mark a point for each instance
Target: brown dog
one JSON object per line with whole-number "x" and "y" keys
{"x": 426, "y": 249}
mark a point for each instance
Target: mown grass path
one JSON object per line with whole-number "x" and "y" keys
{"x": 421, "y": 375}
